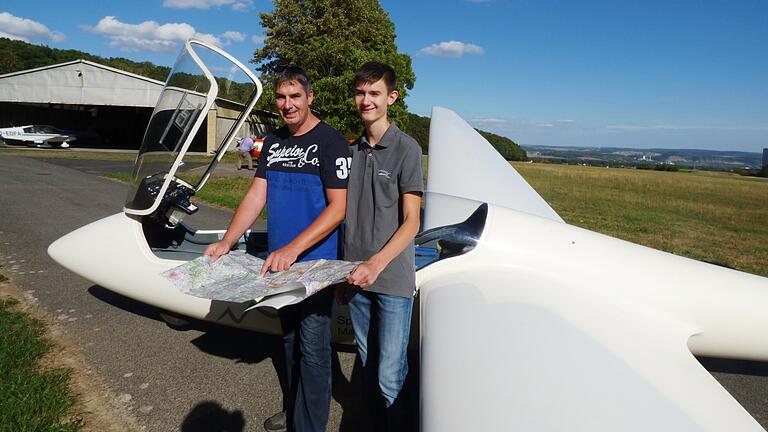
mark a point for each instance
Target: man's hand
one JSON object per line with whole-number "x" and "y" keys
{"x": 216, "y": 250}
{"x": 365, "y": 274}
{"x": 279, "y": 260}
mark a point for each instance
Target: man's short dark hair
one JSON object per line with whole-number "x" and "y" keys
{"x": 374, "y": 71}
{"x": 292, "y": 73}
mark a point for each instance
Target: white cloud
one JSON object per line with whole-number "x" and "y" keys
{"x": 638, "y": 127}
{"x": 233, "y": 36}
{"x": 487, "y": 120}
{"x": 238, "y": 5}
{"x": 24, "y": 29}
{"x": 257, "y": 39}
{"x": 452, "y": 49}
{"x": 517, "y": 123}
{"x": 152, "y": 36}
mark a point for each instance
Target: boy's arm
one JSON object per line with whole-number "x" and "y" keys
{"x": 244, "y": 217}
{"x": 326, "y": 221}
{"x": 366, "y": 273}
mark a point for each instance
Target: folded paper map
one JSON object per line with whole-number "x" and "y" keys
{"x": 235, "y": 277}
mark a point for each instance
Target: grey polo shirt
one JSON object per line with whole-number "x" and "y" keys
{"x": 379, "y": 177}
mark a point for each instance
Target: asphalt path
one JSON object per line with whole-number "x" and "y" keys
{"x": 202, "y": 379}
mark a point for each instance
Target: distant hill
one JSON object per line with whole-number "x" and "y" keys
{"x": 19, "y": 55}
{"x": 418, "y": 128}
{"x": 688, "y": 158}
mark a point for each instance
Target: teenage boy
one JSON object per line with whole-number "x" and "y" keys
{"x": 383, "y": 204}
{"x": 302, "y": 180}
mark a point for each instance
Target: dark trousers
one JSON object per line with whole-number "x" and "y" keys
{"x": 307, "y": 345}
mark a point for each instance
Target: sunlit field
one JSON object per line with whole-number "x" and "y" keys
{"x": 710, "y": 216}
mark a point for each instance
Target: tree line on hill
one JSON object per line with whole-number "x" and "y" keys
{"x": 418, "y": 128}
{"x": 18, "y": 55}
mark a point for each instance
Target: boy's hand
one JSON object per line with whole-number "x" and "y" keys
{"x": 279, "y": 260}
{"x": 365, "y": 274}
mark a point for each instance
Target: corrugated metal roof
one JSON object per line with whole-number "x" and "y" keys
{"x": 80, "y": 82}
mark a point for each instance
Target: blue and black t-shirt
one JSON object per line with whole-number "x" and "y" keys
{"x": 298, "y": 169}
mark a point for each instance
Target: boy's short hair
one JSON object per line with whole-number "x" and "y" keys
{"x": 374, "y": 71}
{"x": 292, "y": 73}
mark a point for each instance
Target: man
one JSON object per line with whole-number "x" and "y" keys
{"x": 244, "y": 152}
{"x": 383, "y": 205}
{"x": 302, "y": 180}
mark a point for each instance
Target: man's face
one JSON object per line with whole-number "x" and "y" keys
{"x": 293, "y": 103}
{"x": 373, "y": 99}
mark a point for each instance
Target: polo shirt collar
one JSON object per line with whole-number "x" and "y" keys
{"x": 388, "y": 138}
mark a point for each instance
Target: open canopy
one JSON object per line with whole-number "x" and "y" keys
{"x": 202, "y": 75}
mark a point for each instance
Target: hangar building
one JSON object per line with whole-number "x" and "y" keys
{"x": 107, "y": 107}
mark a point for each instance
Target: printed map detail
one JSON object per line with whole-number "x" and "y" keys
{"x": 235, "y": 277}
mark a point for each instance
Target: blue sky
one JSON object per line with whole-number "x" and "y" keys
{"x": 670, "y": 74}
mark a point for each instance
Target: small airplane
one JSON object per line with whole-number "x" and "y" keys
{"x": 523, "y": 322}
{"x": 40, "y": 136}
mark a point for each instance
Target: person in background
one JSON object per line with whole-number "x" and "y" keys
{"x": 383, "y": 212}
{"x": 244, "y": 148}
{"x": 302, "y": 181}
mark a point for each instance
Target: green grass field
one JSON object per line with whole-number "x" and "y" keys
{"x": 32, "y": 398}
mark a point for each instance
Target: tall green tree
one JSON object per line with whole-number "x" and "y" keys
{"x": 331, "y": 39}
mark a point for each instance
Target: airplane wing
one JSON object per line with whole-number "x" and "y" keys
{"x": 513, "y": 350}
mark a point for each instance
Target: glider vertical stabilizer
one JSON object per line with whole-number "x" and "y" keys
{"x": 453, "y": 145}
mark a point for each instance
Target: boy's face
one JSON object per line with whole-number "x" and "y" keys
{"x": 293, "y": 102}
{"x": 373, "y": 99}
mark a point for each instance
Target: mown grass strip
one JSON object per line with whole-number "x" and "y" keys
{"x": 31, "y": 398}
{"x": 83, "y": 154}
{"x": 226, "y": 192}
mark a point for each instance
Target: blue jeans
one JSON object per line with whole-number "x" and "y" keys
{"x": 382, "y": 325}
{"x": 308, "y": 325}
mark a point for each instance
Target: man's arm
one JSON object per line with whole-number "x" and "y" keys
{"x": 326, "y": 221}
{"x": 244, "y": 217}
{"x": 366, "y": 273}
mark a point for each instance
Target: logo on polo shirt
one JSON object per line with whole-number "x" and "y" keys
{"x": 292, "y": 156}
{"x": 385, "y": 173}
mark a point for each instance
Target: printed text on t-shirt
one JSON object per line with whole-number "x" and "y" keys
{"x": 291, "y": 155}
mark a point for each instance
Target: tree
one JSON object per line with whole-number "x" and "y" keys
{"x": 508, "y": 149}
{"x": 418, "y": 129}
{"x": 331, "y": 39}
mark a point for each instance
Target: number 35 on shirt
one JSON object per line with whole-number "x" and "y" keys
{"x": 343, "y": 165}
